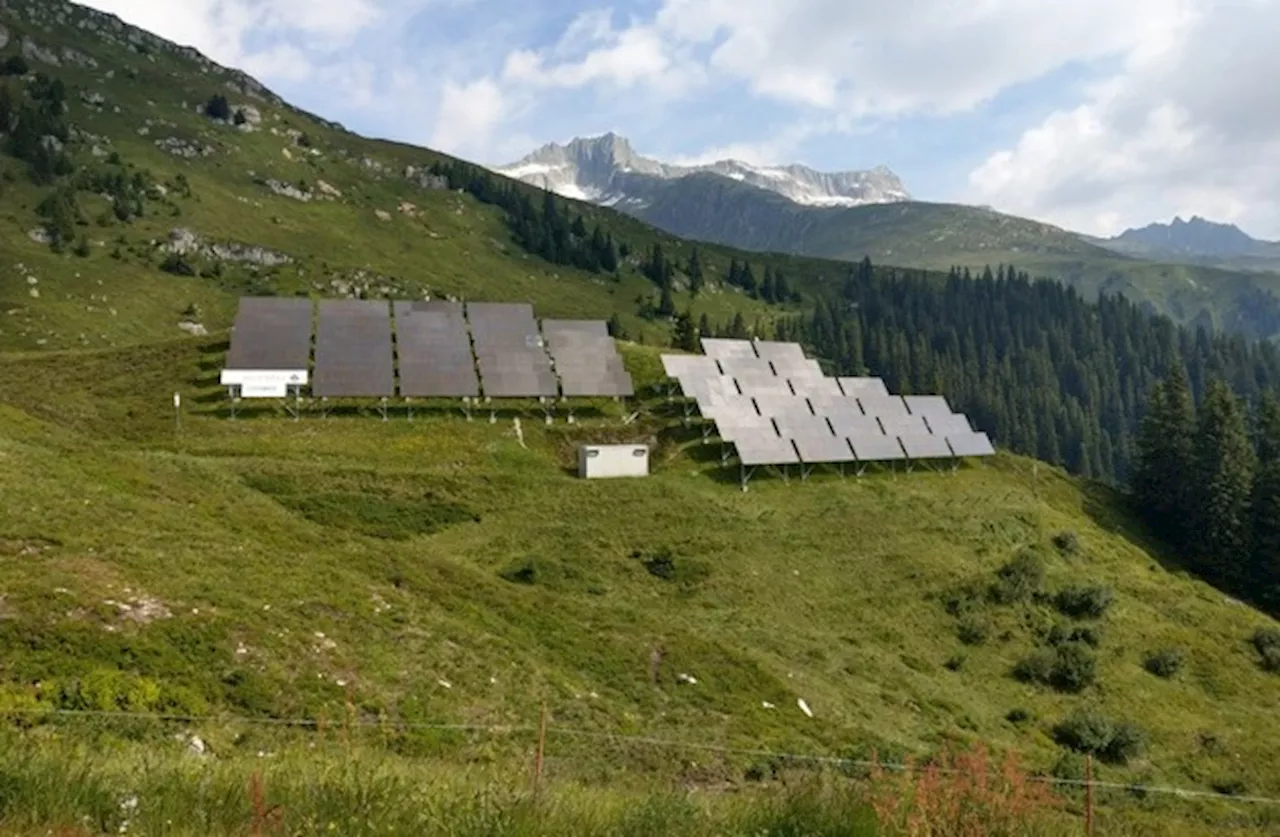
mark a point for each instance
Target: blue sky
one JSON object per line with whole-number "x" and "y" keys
{"x": 1090, "y": 114}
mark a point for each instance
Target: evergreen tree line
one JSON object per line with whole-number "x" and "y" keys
{"x": 1208, "y": 481}
{"x": 551, "y": 231}
{"x": 34, "y": 128}
{"x": 1041, "y": 370}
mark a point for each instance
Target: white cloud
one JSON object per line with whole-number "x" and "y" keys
{"x": 467, "y": 115}
{"x": 1190, "y": 125}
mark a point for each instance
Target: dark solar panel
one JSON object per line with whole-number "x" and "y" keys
{"x": 353, "y": 349}
{"x": 599, "y": 328}
{"x": 271, "y": 333}
{"x": 509, "y": 351}
{"x": 586, "y": 358}
{"x": 434, "y": 351}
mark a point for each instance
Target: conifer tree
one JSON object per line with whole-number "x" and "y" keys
{"x": 615, "y": 328}
{"x": 748, "y": 280}
{"x": 686, "y": 333}
{"x": 704, "y": 326}
{"x": 1223, "y": 485}
{"x": 1266, "y": 494}
{"x": 666, "y": 304}
{"x": 1165, "y": 456}
{"x": 738, "y": 330}
{"x": 694, "y": 269}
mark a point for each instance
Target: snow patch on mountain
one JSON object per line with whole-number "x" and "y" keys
{"x": 606, "y": 170}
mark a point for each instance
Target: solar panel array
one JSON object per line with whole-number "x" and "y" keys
{"x": 776, "y": 407}
{"x": 356, "y": 354}
{"x": 271, "y": 333}
{"x": 434, "y": 351}
{"x": 353, "y": 349}
{"x": 586, "y": 358}
{"x": 509, "y": 351}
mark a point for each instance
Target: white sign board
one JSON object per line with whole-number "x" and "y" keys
{"x": 248, "y": 377}
{"x": 264, "y": 390}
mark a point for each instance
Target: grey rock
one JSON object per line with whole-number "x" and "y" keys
{"x": 51, "y": 143}
{"x": 94, "y": 98}
{"x": 32, "y": 51}
{"x": 4, "y": 36}
{"x": 194, "y": 329}
{"x": 39, "y": 235}
{"x": 288, "y": 190}
{"x": 74, "y": 56}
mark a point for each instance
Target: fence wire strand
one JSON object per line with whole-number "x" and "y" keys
{"x": 670, "y": 743}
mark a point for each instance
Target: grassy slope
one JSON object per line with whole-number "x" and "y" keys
{"x": 937, "y": 236}
{"x": 257, "y": 533}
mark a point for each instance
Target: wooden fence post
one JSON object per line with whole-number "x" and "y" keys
{"x": 537, "y": 759}
{"x": 1088, "y": 796}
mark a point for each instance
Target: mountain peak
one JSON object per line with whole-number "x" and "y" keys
{"x": 1195, "y": 236}
{"x": 607, "y": 170}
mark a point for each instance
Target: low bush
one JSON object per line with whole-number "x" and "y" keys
{"x": 1019, "y": 580}
{"x": 1067, "y": 542}
{"x": 1087, "y": 731}
{"x": 1267, "y": 641}
{"x": 1089, "y": 601}
{"x": 1070, "y": 667}
{"x": 955, "y": 662}
{"x": 1018, "y": 715}
{"x": 1164, "y": 663}
{"x": 973, "y": 630}
{"x": 1061, "y": 634}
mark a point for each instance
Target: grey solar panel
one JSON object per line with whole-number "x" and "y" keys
{"x": 509, "y": 351}
{"x": 956, "y": 424}
{"x": 971, "y": 444}
{"x": 762, "y": 384}
{"x": 774, "y": 351}
{"x": 434, "y": 351}
{"x": 903, "y": 425}
{"x": 765, "y": 450}
{"x": 853, "y": 424}
{"x": 721, "y": 348}
{"x": 271, "y": 333}
{"x": 797, "y": 425}
{"x": 682, "y": 366}
{"x": 599, "y": 328}
{"x": 709, "y": 388}
{"x": 925, "y": 446}
{"x": 876, "y": 448}
{"x": 890, "y": 406}
{"x": 725, "y": 406}
{"x": 353, "y": 349}
{"x": 775, "y": 405}
{"x": 586, "y": 361}
{"x": 870, "y": 387}
{"x": 815, "y": 387}
{"x": 927, "y": 405}
{"x": 817, "y": 449}
{"x": 798, "y": 369}
{"x": 733, "y": 428}
{"x": 745, "y": 367}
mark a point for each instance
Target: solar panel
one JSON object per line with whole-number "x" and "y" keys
{"x": 796, "y": 425}
{"x": 858, "y": 387}
{"x": 706, "y": 389}
{"x": 927, "y": 405}
{"x": 586, "y": 361}
{"x": 876, "y": 448}
{"x": 353, "y": 349}
{"x": 434, "y": 351}
{"x": 815, "y": 387}
{"x": 903, "y": 425}
{"x": 774, "y": 405}
{"x": 761, "y": 449}
{"x": 925, "y": 446}
{"x": 734, "y": 427}
{"x": 271, "y": 333}
{"x": 804, "y": 368}
{"x": 679, "y": 366}
{"x": 509, "y": 351}
{"x": 815, "y": 449}
{"x": 725, "y": 406}
{"x": 774, "y": 351}
{"x": 762, "y": 384}
{"x": 846, "y": 423}
{"x": 889, "y": 406}
{"x": 745, "y": 367}
{"x": 971, "y": 444}
{"x": 720, "y": 348}
{"x": 955, "y": 424}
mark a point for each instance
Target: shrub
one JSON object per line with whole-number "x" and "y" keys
{"x": 1164, "y": 663}
{"x": 1060, "y": 634}
{"x": 1067, "y": 542}
{"x": 524, "y": 571}
{"x": 1087, "y": 731}
{"x": 1084, "y": 602}
{"x": 955, "y": 662}
{"x": 964, "y": 601}
{"x": 1071, "y": 667}
{"x": 178, "y": 266}
{"x": 1018, "y": 715}
{"x": 973, "y": 630}
{"x": 14, "y": 65}
{"x": 1267, "y": 641}
{"x": 82, "y": 248}
{"x": 1018, "y": 580}
{"x": 218, "y": 107}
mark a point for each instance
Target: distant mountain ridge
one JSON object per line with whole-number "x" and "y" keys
{"x": 1195, "y": 237}
{"x": 607, "y": 170}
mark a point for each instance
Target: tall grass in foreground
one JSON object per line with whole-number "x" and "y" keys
{"x": 54, "y": 787}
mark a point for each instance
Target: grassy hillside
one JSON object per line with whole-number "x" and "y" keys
{"x": 938, "y": 236}
{"x": 439, "y": 571}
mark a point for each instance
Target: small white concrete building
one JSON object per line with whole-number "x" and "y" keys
{"x": 605, "y": 461}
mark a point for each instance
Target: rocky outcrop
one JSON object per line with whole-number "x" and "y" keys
{"x": 32, "y": 51}
{"x": 189, "y": 149}
{"x": 425, "y": 179}
{"x": 185, "y": 242}
{"x": 288, "y": 190}
{"x": 4, "y": 36}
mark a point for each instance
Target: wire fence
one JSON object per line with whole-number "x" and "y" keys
{"x": 544, "y": 732}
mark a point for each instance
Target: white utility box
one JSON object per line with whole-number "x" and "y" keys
{"x": 604, "y": 461}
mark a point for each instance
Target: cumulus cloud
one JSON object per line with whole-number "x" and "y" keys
{"x": 1188, "y": 126}
{"x": 468, "y": 114}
